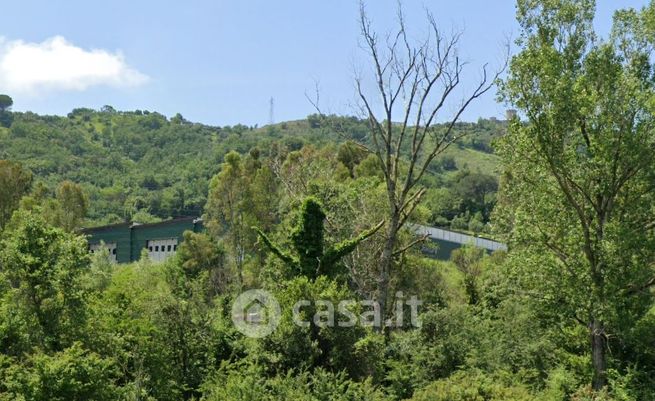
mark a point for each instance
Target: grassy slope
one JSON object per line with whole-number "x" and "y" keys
{"x": 475, "y": 160}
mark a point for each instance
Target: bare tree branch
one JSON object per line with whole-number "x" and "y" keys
{"x": 413, "y": 81}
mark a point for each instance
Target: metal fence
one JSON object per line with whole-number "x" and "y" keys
{"x": 459, "y": 238}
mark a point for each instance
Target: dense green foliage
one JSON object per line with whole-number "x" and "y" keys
{"x": 15, "y": 182}
{"x": 299, "y": 209}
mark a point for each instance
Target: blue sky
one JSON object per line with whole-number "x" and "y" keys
{"x": 220, "y": 62}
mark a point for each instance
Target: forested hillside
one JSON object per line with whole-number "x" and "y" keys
{"x": 146, "y": 165}
{"x": 301, "y": 190}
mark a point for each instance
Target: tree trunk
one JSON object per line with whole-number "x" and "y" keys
{"x": 386, "y": 265}
{"x": 599, "y": 359}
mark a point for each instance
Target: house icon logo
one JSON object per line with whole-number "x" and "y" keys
{"x": 256, "y": 313}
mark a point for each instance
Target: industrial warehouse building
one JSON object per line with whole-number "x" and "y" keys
{"x": 126, "y": 241}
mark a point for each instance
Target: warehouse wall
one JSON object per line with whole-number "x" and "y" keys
{"x": 119, "y": 234}
{"x": 131, "y": 238}
{"x": 141, "y": 234}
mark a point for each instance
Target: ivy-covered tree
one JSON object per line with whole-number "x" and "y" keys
{"x": 312, "y": 258}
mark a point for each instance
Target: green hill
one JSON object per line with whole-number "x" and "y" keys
{"x": 143, "y": 162}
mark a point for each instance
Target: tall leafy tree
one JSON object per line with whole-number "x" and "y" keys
{"x": 42, "y": 296}
{"x": 5, "y": 103}
{"x": 15, "y": 181}
{"x": 71, "y": 206}
{"x": 226, "y": 208}
{"x": 475, "y": 190}
{"x": 240, "y": 195}
{"x": 6, "y": 117}
{"x": 579, "y": 183}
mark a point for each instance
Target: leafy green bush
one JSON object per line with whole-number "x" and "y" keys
{"x": 74, "y": 374}
{"x": 473, "y": 386}
{"x": 249, "y": 383}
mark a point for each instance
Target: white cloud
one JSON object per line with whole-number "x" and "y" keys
{"x": 58, "y": 65}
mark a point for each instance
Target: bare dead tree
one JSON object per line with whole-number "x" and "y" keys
{"x": 414, "y": 82}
